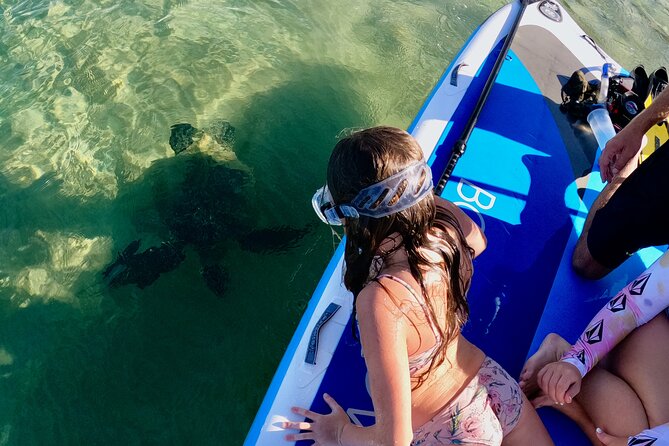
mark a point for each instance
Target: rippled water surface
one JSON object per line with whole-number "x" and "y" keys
{"x": 89, "y": 91}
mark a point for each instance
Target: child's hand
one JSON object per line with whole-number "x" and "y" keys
{"x": 560, "y": 380}
{"x": 324, "y": 430}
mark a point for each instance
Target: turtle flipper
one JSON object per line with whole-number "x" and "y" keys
{"x": 144, "y": 268}
{"x": 216, "y": 279}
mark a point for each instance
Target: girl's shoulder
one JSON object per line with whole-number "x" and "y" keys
{"x": 392, "y": 290}
{"x": 374, "y": 298}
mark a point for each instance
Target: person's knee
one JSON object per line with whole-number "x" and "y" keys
{"x": 585, "y": 265}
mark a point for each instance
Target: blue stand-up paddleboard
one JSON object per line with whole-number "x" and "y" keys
{"x": 522, "y": 178}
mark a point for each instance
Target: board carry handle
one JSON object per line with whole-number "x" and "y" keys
{"x": 461, "y": 144}
{"x": 312, "y": 347}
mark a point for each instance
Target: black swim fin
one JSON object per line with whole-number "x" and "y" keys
{"x": 640, "y": 77}
{"x": 657, "y": 82}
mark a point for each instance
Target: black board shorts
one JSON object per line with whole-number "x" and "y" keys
{"x": 636, "y": 216}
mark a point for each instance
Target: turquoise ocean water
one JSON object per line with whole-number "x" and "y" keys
{"x": 88, "y": 93}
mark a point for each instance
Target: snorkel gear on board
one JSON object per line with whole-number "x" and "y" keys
{"x": 393, "y": 194}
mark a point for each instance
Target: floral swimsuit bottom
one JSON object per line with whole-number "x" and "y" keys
{"x": 482, "y": 414}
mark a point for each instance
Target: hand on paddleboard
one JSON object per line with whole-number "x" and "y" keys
{"x": 324, "y": 430}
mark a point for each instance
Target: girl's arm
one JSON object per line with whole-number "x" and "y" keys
{"x": 639, "y": 302}
{"x": 383, "y": 330}
{"x": 383, "y": 333}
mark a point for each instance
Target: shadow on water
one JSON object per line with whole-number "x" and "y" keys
{"x": 286, "y": 133}
{"x": 172, "y": 363}
{"x": 285, "y": 136}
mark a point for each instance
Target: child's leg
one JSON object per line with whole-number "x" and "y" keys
{"x": 574, "y": 411}
{"x": 611, "y": 403}
{"x": 601, "y": 392}
{"x": 590, "y": 410}
{"x": 642, "y": 360}
{"x": 529, "y": 431}
{"x": 551, "y": 349}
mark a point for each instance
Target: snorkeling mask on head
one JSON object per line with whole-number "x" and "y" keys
{"x": 394, "y": 194}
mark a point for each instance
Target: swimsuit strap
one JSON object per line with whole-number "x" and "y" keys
{"x": 401, "y": 282}
{"x": 419, "y": 361}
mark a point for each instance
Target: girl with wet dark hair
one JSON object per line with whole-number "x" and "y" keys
{"x": 408, "y": 262}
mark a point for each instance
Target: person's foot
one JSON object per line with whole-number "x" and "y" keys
{"x": 542, "y": 400}
{"x": 550, "y": 350}
{"x": 573, "y": 410}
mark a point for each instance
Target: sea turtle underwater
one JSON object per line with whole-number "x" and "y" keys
{"x": 144, "y": 268}
{"x": 204, "y": 204}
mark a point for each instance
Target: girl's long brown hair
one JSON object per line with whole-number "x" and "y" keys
{"x": 367, "y": 157}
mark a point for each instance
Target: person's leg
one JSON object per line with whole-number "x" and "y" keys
{"x": 611, "y": 403}
{"x": 529, "y": 431}
{"x": 605, "y": 400}
{"x": 629, "y": 214}
{"x": 574, "y": 411}
{"x": 582, "y": 259}
{"x": 642, "y": 360}
{"x": 520, "y": 424}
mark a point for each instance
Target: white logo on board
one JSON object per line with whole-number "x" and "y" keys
{"x": 480, "y": 200}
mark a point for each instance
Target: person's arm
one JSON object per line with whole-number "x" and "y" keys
{"x": 383, "y": 330}
{"x": 472, "y": 232}
{"x": 383, "y": 334}
{"x": 626, "y": 144}
{"x": 639, "y": 302}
